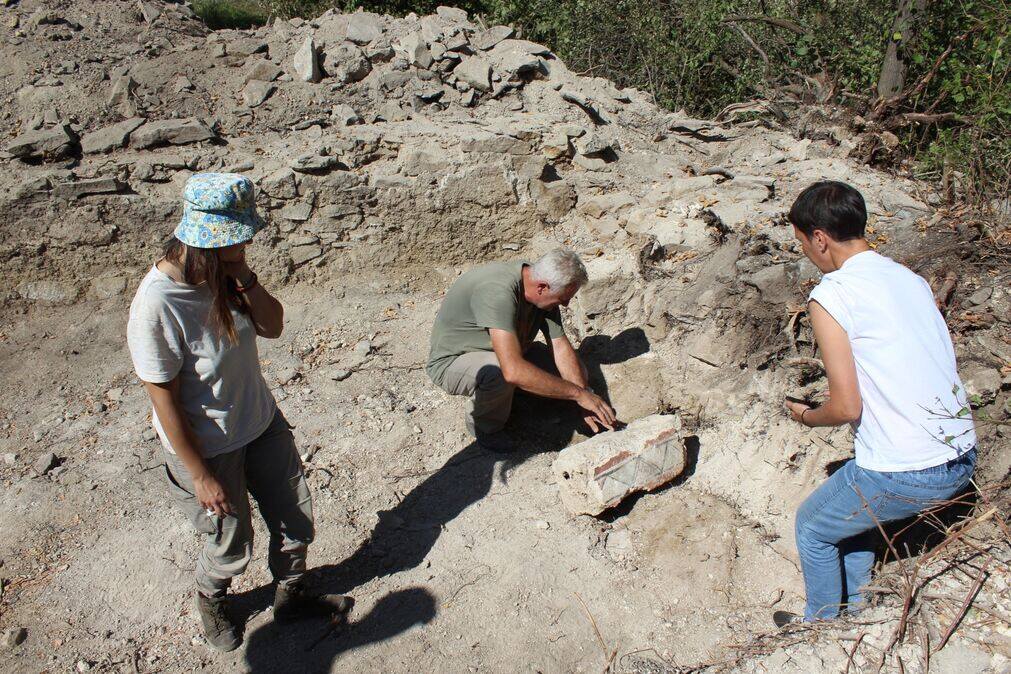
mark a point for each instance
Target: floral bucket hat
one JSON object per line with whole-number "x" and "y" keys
{"x": 219, "y": 209}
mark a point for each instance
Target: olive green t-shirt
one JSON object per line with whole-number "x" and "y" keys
{"x": 489, "y": 296}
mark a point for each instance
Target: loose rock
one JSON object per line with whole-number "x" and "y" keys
{"x": 111, "y": 137}
{"x": 46, "y": 144}
{"x": 170, "y": 132}
{"x": 307, "y": 61}
{"x": 45, "y": 463}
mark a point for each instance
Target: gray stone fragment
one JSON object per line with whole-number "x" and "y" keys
{"x": 110, "y": 137}
{"x": 299, "y": 212}
{"x": 979, "y": 297}
{"x": 364, "y": 27}
{"x": 104, "y": 287}
{"x": 346, "y": 63}
{"x": 149, "y": 11}
{"x": 475, "y": 71}
{"x": 263, "y": 70}
{"x": 170, "y": 132}
{"x": 80, "y": 188}
{"x": 302, "y": 254}
{"x": 453, "y": 14}
{"x": 246, "y": 46}
{"x": 455, "y": 42}
{"x": 256, "y": 92}
{"x": 600, "y": 472}
{"x": 307, "y": 61}
{"x": 595, "y": 144}
{"x": 122, "y": 96}
{"x": 54, "y": 143}
{"x": 48, "y": 292}
{"x": 345, "y": 115}
{"x": 416, "y": 49}
{"x": 280, "y": 184}
{"x": 15, "y": 636}
{"x": 315, "y": 163}
{"x": 45, "y": 463}
{"x": 489, "y": 38}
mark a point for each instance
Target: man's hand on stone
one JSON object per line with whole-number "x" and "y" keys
{"x": 599, "y": 411}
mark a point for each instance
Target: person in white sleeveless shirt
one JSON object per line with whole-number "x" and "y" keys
{"x": 892, "y": 376}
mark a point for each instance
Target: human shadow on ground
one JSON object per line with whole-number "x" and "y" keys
{"x": 406, "y": 533}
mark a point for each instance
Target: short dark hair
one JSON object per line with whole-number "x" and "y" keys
{"x": 833, "y": 207}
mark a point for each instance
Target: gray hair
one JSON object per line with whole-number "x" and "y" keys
{"x": 560, "y": 268}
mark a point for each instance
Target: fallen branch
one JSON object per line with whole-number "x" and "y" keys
{"x": 853, "y": 652}
{"x": 965, "y": 605}
{"x": 609, "y": 657}
{"x": 771, "y": 20}
{"x": 750, "y": 41}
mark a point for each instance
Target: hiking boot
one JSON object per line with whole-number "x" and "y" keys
{"x": 499, "y": 442}
{"x": 219, "y": 630}
{"x": 293, "y": 602}
{"x": 784, "y": 618}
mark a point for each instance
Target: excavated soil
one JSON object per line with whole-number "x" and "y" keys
{"x": 426, "y": 146}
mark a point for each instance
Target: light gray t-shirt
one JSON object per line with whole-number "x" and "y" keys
{"x": 221, "y": 388}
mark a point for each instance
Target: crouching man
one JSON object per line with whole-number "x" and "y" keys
{"x": 482, "y": 343}
{"x": 891, "y": 375}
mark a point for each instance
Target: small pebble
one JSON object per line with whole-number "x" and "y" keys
{"x": 15, "y": 636}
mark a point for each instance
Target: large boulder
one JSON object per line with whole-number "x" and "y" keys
{"x": 600, "y": 472}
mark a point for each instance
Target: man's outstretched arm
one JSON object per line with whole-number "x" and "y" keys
{"x": 523, "y": 374}
{"x": 570, "y": 367}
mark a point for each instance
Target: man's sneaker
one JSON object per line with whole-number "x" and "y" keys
{"x": 499, "y": 441}
{"x": 219, "y": 630}
{"x": 784, "y": 618}
{"x": 293, "y": 602}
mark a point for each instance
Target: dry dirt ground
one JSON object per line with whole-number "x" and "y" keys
{"x": 460, "y": 560}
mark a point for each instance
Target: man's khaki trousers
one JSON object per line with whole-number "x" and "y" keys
{"x": 478, "y": 375}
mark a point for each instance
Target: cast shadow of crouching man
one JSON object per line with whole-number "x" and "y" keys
{"x": 405, "y": 534}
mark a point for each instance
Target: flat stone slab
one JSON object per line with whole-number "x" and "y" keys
{"x": 599, "y": 473}
{"x": 170, "y": 132}
{"x": 111, "y": 137}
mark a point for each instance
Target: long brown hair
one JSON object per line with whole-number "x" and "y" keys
{"x": 203, "y": 265}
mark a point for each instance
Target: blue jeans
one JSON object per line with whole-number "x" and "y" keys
{"x": 837, "y": 537}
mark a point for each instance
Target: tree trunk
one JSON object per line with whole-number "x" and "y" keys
{"x": 893, "y": 70}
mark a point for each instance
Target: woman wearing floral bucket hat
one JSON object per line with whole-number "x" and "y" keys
{"x": 192, "y": 336}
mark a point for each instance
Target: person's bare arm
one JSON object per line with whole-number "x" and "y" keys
{"x": 567, "y": 361}
{"x": 523, "y": 374}
{"x": 844, "y": 405}
{"x": 266, "y": 312}
{"x": 209, "y": 492}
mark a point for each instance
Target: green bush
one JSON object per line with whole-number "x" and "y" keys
{"x": 219, "y": 14}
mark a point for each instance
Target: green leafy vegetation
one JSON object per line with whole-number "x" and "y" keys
{"x": 218, "y": 14}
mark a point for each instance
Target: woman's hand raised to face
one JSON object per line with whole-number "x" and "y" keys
{"x": 233, "y": 262}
